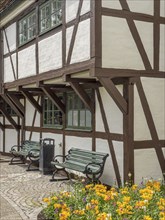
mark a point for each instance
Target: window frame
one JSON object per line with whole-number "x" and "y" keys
{"x": 56, "y": 12}
{"x": 34, "y": 25}
{"x": 52, "y": 111}
{"x": 79, "y": 105}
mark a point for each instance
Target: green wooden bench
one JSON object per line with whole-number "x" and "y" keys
{"x": 28, "y": 149}
{"x": 90, "y": 163}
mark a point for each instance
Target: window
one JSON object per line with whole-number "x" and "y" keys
{"x": 27, "y": 28}
{"x": 52, "y": 115}
{"x": 9, "y": 110}
{"x": 50, "y": 15}
{"x": 78, "y": 116}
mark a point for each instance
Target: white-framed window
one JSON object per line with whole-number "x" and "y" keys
{"x": 27, "y": 28}
{"x": 50, "y": 15}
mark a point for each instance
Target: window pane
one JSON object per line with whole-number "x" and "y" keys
{"x": 88, "y": 118}
{"x": 75, "y": 118}
{"x": 82, "y": 118}
{"x": 70, "y": 118}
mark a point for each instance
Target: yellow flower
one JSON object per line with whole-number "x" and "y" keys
{"x": 126, "y": 199}
{"x": 94, "y": 202}
{"x": 134, "y": 187}
{"x": 64, "y": 215}
{"x": 147, "y": 217}
{"x": 79, "y": 212}
{"x": 104, "y": 216}
{"x": 46, "y": 200}
{"x": 57, "y": 206}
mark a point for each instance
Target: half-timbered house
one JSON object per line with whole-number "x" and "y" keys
{"x": 89, "y": 74}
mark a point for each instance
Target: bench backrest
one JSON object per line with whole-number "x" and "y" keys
{"x": 84, "y": 157}
{"x": 28, "y": 145}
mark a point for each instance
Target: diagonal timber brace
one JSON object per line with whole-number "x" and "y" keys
{"x": 12, "y": 105}
{"x": 9, "y": 118}
{"x": 2, "y": 127}
{"x": 32, "y": 100}
{"x": 82, "y": 95}
{"x": 114, "y": 93}
{"x": 17, "y": 102}
{"x": 54, "y": 98}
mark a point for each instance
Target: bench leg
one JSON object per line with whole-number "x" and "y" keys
{"x": 59, "y": 178}
{"x": 32, "y": 162}
{"x": 12, "y": 162}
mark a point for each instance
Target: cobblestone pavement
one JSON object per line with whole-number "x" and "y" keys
{"x": 21, "y": 192}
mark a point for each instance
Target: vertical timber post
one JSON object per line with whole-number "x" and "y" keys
{"x": 128, "y": 129}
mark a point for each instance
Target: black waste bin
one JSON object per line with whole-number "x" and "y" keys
{"x": 46, "y": 155}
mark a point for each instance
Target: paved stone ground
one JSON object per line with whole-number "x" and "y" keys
{"x": 21, "y": 192}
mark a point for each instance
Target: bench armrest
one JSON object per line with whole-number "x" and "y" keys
{"x": 15, "y": 148}
{"x": 89, "y": 170}
{"x": 58, "y": 156}
{"x": 32, "y": 152}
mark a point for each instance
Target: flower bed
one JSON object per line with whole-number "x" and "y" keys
{"x": 96, "y": 202}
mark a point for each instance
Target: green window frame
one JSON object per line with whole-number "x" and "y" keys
{"x": 78, "y": 116}
{"x": 52, "y": 116}
{"x": 50, "y": 15}
{"x": 27, "y": 28}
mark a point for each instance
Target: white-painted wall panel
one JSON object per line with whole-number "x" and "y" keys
{"x": 10, "y": 139}
{"x": 69, "y": 32}
{"x": 109, "y": 176}
{"x": 154, "y": 89}
{"x": 145, "y": 30}
{"x": 111, "y": 4}
{"x": 8, "y": 70}
{"x": 118, "y": 47}
{"x": 151, "y": 169}
{"x": 141, "y": 130}
{"x": 58, "y": 142}
{"x": 146, "y": 6}
{"x": 81, "y": 49}
{"x": 30, "y": 110}
{"x": 50, "y": 53}
{"x": 11, "y": 38}
{"x": 26, "y": 62}
{"x": 71, "y": 9}
{"x": 162, "y": 47}
{"x": 85, "y": 7}
{"x": 113, "y": 113}
{"x": 35, "y": 136}
{"x": 162, "y": 8}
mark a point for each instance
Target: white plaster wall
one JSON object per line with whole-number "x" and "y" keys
{"x": 156, "y": 87}
{"x": 11, "y": 38}
{"x": 162, "y": 7}
{"x": 10, "y": 139}
{"x": 81, "y": 49}
{"x": 118, "y": 47}
{"x": 26, "y": 62}
{"x": 30, "y": 110}
{"x": 146, "y": 6}
{"x": 69, "y": 32}
{"x": 145, "y": 30}
{"x": 111, "y": 4}
{"x": 113, "y": 113}
{"x": 151, "y": 168}
{"x": 58, "y": 141}
{"x": 8, "y": 71}
{"x": 50, "y": 53}
{"x": 162, "y": 47}
{"x": 109, "y": 176}
{"x": 35, "y": 136}
{"x": 72, "y": 8}
{"x": 141, "y": 131}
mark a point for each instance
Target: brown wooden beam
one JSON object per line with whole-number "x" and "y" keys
{"x": 12, "y": 105}
{"x": 82, "y": 95}
{"x": 17, "y": 102}
{"x": 54, "y": 98}
{"x": 32, "y": 100}
{"x": 114, "y": 93}
{"x": 2, "y": 126}
{"x": 1, "y": 62}
{"x": 9, "y": 118}
{"x": 147, "y": 144}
